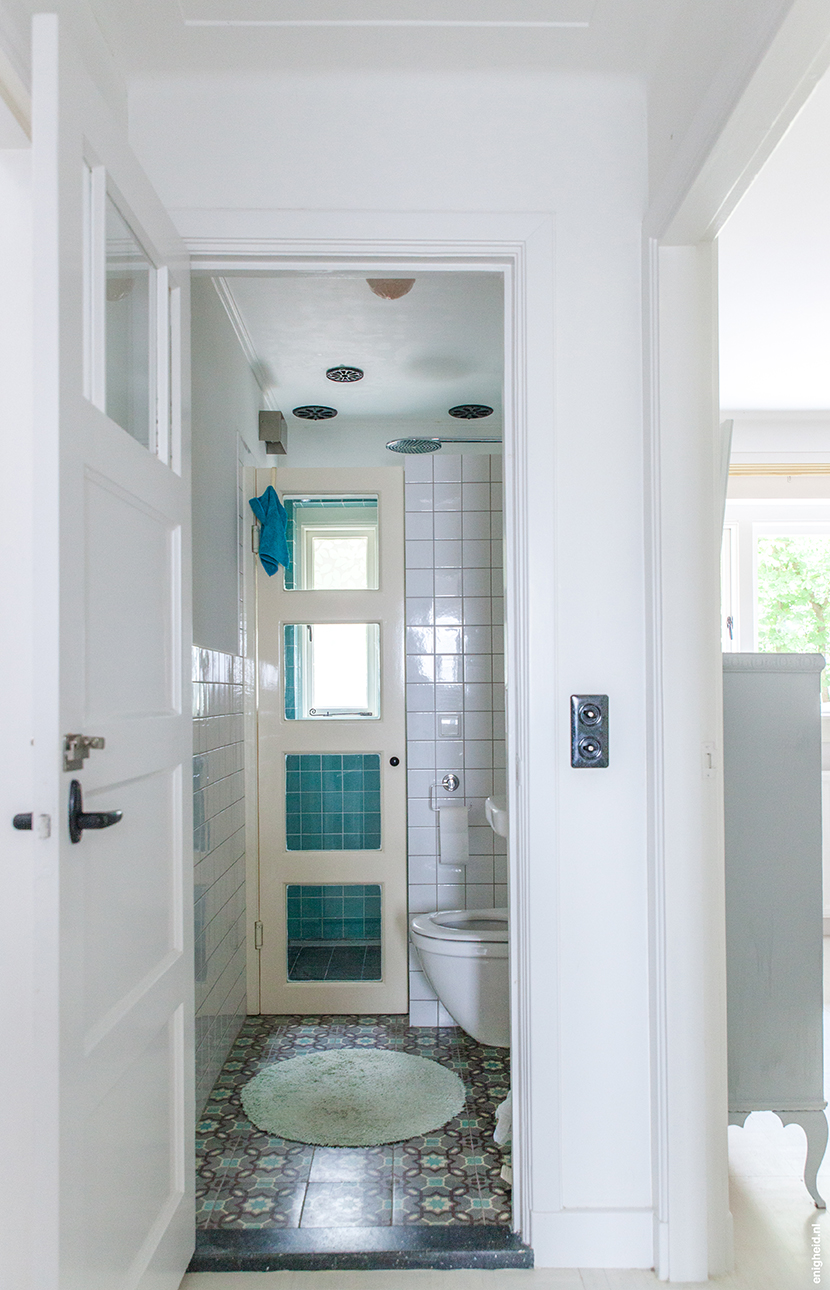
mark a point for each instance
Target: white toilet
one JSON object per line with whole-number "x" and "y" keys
{"x": 464, "y": 957}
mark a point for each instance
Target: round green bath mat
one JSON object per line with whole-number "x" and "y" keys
{"x": 353, "y": 1097}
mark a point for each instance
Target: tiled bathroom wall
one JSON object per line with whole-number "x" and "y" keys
{"x": 454, "y": 683}
{"x": 218, "y": 859}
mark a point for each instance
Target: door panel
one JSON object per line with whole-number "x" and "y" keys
{"x": 112, "y": 663}
{"x": 346, "y": 826}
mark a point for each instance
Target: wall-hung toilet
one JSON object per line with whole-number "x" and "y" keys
{"x": 464, "y": 954}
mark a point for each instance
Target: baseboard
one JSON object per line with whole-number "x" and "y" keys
{"x": 585, "y": 1238}
{"x": 320, "y": 1249}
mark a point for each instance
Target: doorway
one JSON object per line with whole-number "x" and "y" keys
{"x": 453, "y": 648}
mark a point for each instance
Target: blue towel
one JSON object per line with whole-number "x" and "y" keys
{"x": 273, "y": 544}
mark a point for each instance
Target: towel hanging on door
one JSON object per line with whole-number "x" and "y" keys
{"x": 273, "y": 543}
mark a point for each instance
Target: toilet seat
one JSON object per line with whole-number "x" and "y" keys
{"x": 470, "y": 925}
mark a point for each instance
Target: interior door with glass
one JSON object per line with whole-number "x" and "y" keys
{"x": 111, "y": 815}
{"x": 332, "y": 747}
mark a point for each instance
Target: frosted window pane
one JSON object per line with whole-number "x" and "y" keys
{"x": 339, "y": 563}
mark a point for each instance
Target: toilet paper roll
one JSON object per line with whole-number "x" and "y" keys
{"x": 454, "y": 833}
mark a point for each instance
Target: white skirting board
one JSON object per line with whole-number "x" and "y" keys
{"x": 593, "y": 1238}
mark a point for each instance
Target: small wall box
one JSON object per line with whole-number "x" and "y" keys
{"x": 273, "y": 432}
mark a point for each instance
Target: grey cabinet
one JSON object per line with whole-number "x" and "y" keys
{"x": 772, "y": 807}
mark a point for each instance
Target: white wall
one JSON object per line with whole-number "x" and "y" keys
{"x": 226, "y": 403}
{"x": 774, "y": 257}
{"x": 574, "y": 147}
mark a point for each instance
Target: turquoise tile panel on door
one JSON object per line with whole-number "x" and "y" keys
{"x": 332, "y": 802}
{"x": 333, "y": 912}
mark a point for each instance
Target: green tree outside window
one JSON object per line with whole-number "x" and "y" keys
{"x": 794, "y": 597}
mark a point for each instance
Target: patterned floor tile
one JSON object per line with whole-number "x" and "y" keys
{"x": 248, "y": 1179}
{"x": 348, "y": 1204}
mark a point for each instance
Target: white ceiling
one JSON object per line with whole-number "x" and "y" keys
{"x": 440, "y": 345}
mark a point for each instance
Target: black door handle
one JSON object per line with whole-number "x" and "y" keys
{"x": 80, "y": 820}
{"x": 23, "y": 821}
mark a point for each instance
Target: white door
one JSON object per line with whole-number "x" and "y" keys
{"x": 112, "y": 664}
{"x": 332, "y": 747}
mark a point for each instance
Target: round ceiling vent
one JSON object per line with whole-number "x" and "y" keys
{"x": 471, "y": 411}
{"x": 314, "y": 412}
{"x": 345, "y": 375}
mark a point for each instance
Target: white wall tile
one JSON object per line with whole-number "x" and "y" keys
{"x": 447, "y": 554}
{"x": 422, "y": 1013}
{"x": 421, "y": 725}
{"x": 479, "y": 896}
{"x": 424, "y": 869}
{"x": 418, "y": 469}
{"x": 479, "y": 725}
{"x": 420, "y": 988}
{"x": 420, "y": 667}
{"x": 477, "y": 611}
{"x": 475, "y": 467}
{"x": 475, "y": 524}
{"x": 447, "y": 497}
{"x": 418, "y": 497}
{"x": 447, "y": 526}
{"x": 419, "y": 526}
{"x": 420, "y": 754}
{"x": 419, "y": 611}
{"x": 448, "y": 582}
{"x": 449, "y": 612}
{"x": 444, "y": 1018}
{"x": 449, "y": 698}
{"x": 420, "y": 698}
{"x": 461, "y": 584}
{"x": 476, "y": 497}
{"x": 450, "y": 894}
{"x": 420, "y": 640}
{"x": 423, "y": 841}
{"x": 419, "y": 555}
{"x": 449, "y": 667}
{"x": 423, "y": 898}
{"x": 446, "y": 467}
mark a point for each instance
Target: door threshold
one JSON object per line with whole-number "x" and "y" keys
{"x": 322, "y": 1249}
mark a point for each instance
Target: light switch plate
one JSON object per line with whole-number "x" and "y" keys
{"x": 449, "y": 725}
{"x": 589, "y": 731}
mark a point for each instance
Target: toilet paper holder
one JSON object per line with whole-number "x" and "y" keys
{"x": 450, "y": 784}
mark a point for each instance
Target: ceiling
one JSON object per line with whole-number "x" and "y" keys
{"x": 437, "y": 346}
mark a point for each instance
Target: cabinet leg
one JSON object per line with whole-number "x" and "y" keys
{"x": 814, "y": 1124}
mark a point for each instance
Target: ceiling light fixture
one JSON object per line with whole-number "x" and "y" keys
{"x": 391, "y": 288}
{"x": 345, "y": 375}
{"x": 314, "y": 412}
{"x": 470, "y": 411}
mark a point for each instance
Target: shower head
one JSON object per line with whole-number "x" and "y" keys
{"x": 429, "y": 445}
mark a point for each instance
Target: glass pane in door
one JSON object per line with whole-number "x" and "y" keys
{"x": 332, "y": 671}
{"x": 333, "y": 932}
{"x": 333, "y": 543}
{"x": 128, "y": 324}
{"x": 332, "y": 801}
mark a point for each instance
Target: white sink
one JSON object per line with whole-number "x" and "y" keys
{"x": 495, "y": 809}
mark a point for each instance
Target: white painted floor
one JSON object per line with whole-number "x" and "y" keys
{"x": 772, "y": 1212}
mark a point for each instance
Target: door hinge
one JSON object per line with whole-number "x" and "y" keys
{"x": 257, "y": 936}
{"x": 76, "y": 749}
{"x": 254, "y": 542}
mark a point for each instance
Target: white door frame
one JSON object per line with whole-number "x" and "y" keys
{"x": 520, "y": 248}
{"x": 693, "y": 1225}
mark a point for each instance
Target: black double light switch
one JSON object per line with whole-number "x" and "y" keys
{"x": 589, "y": 731}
